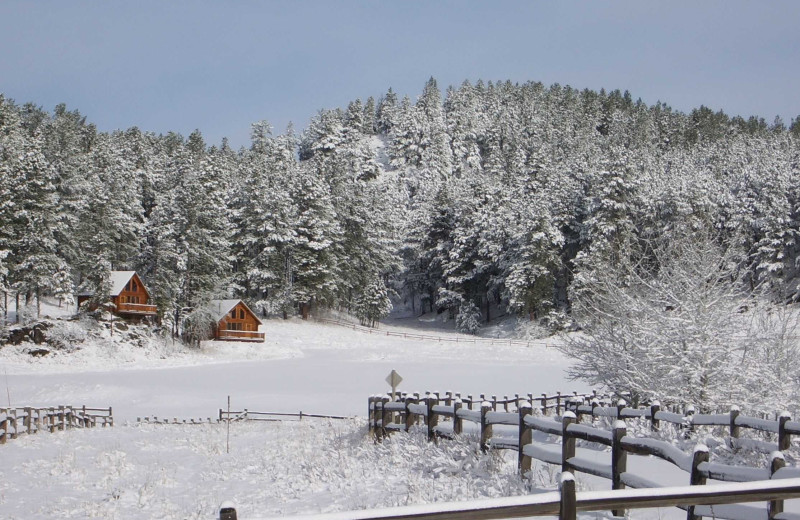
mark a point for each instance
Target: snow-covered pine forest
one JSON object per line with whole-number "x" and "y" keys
{"x": 486, "y": 198}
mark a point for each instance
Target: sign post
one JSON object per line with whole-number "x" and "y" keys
{"x": 394, "y": 380}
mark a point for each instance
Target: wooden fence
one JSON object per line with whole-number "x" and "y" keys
{"x": 250, "y": 415}
{"x": 26, "y": 420}
{"x": 427, "y": 337}
{"x": 565, "y": 503}
{"x": 446, "y": 417}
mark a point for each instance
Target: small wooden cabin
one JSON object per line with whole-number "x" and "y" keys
{"x": 234, "y": 321}
{"x": 128, "y": 294}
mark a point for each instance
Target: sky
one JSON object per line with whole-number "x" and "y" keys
{"x": 221, "y": 66}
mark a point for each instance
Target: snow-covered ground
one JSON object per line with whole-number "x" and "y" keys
{"x": 178, "y": 472}
{"x": 305, "y": 366}
{"x": 148, "y": 471}
{"x": 182, "y": 471}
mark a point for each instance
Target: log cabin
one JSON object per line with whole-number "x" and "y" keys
{"x": 234, "y": 321}
{"x": 128, "y": 294}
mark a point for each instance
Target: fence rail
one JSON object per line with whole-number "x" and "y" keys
{"x": 28, "y": 420}
{"x": 445, "y": 417}
{"x": 136, "y": 308}
{"x": 565, "y": 503}
{"x": 224, "y": 334}
{"x": 250, "y": 415}
{"x": 429, "y": 337}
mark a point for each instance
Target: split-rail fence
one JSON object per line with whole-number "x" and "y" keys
{"x": 561, "y": 416}
{"x": 250, "y": 415}
{"x": 27, "y": 420}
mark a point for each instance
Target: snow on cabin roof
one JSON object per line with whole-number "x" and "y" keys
{"x": 118, "y": 280}
{"x": 222, "y": 307}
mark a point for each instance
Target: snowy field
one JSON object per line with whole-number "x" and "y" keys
{"x": 183, "y": 471}
{"x": 149, "y": 471}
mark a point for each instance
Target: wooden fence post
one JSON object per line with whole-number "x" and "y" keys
{"x": 61, "y": 418}
{"x": 370, "y": 415}
{"x": 784, "y": 438}
{"x": 544, "y": 404}
{"x": 457, "y": 421}
{"x": 775, "y": 507}
{"x": 619, "y": 459}
{"x": 28, "y": 420}
{"x": 734, "y": 428}
{"x": 567, "y": 442}
{"x": 655, "y": 407}
{"x": 568, "y": 509}
{"x": 410, "y": 417}
{"x": 431, "y": 420}
{"x": 525, "y": 437}
{"x": 13, "y": 418}
{"x": 621, "y": 404}
{"x": 4, "y": 426}
{"x": 227, "y": 511}
{"x": 486, "y": 429}
{"x": 699, "y": 456}
{"x": 688, "y": 419}
{"x": 383, "y": 415}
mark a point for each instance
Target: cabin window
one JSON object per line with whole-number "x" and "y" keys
{"x": 233, "y": 314}
{"x": 241, "y": 314}
{"x": 234, "y": 326}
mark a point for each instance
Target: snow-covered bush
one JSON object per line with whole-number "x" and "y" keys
{"x": 678, "y": 325}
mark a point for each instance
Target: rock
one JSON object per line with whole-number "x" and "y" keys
{"x": 37, "y": 335}
{"x": 38, "y": 352}
{"x": 17, "y": 336}
{"x": 121, "y": 325}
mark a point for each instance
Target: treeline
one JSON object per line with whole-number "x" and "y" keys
{"x": 489, "y": 197}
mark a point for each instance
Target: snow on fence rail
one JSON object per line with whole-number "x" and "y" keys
{"x": 386, "y": 416}
{"x": 565, "y": 503}
{"x": 26, "y": 420}
{"x": 428, "y": 337}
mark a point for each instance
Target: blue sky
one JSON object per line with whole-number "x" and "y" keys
{"x": 219, "y": 66}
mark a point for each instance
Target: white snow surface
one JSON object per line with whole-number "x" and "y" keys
{"x": 156, "y": 471}
{"x": 136, "y": 470}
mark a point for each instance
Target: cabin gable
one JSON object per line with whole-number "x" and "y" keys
{"x": 134, "y": 292}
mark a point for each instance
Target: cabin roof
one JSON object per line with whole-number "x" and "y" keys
{"x": 118, "y": 281}
{"x": 222, "y": 307}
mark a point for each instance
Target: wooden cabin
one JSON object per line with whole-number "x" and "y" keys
{"x": 128, "y": 294}
{"x": 234, "y": 321}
